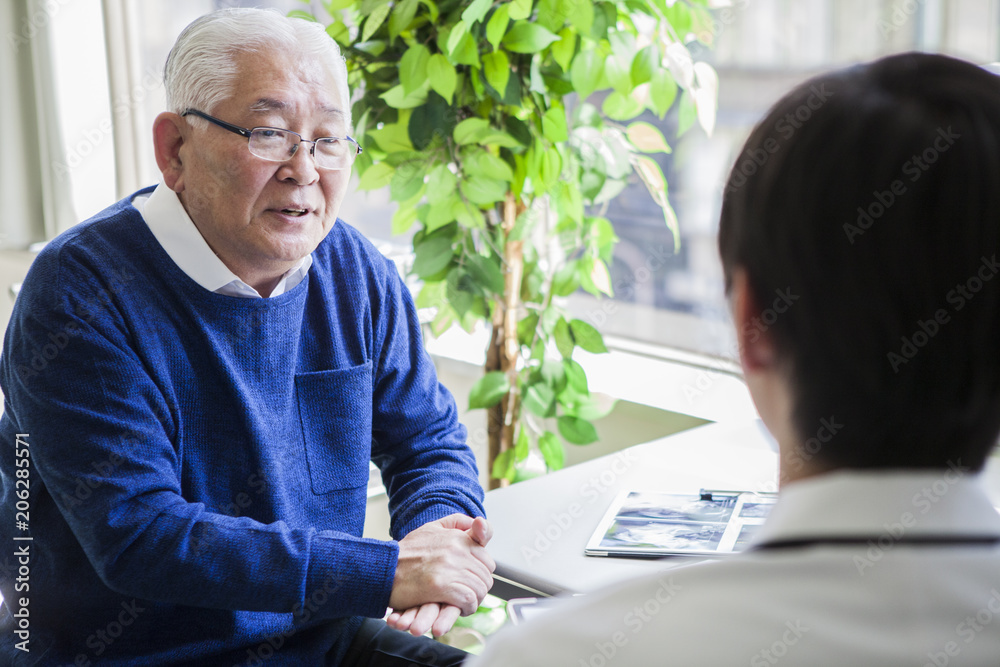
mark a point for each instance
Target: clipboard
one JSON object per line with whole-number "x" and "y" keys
{"x": 643, "y": 524}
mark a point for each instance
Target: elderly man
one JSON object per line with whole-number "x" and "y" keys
{"x": 882, "y": 214}
{"x": 196, "y": 380}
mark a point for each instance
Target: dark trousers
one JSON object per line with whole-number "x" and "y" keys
{"x": 378, "y": 645}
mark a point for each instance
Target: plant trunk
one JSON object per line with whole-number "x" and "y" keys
{"x": 504, "y": 349}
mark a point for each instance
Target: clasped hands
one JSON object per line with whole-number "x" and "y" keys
{"x": 443, "y": 571}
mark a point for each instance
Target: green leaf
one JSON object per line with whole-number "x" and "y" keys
{"x": 503, "y": 466}
{"x": 460, "y": 291}
{"x": 587, "y": 337}
{"x": 592, "y": 407}
{"x": 499, "y": 138}
{"x": 468, "y": 215}
{"x": 550, "y": 168}
{"x": 646, "y": 62}
{"x": 476, "y": 11}
{"x": 441, "y": 184}
{"x": 440, "y": 214}
{"x": 467, "y": 131}
{"x": 403, "y": 218}
{"x": 376, "y": 176}
{"x": 442, "y": 76}
{"x": 392, "y": 138}
{"x": 600, "y": 277}
{"x": 586, "y": 71}
{"x": 375, "y": 20}
{"x": 621, "y": 107}
{"x": 407, "y": 182}
{"x": 518, "y": 129}
{"x": 582, "y": 17}
{"x": 554, "y": 125}
{"x": 431, "y": 295}
{"x": 523, "y": 446}
{"x": 605, "y": 17}
{"x": 564, "y": 49}
{"x": 554, "y": 375}
{"x": 687, "y": 114}
{"x": 601, "y": 232}
{"x": 485, "y": 272}
{"x": 432, "y": 121}
{"x": 478, "y": 131}
{"x": 565, "y": 280}
{"x": 564, "y": 338}
{"x": 496, "y": 27}
{"x": 552, "y": 451}
{"x": 402, "y": 16}
{"x": 496, "y": 67}
{"x": 520, "y": 9}
{"x": 413, "y": 67}
{"x": 538, "y": 350}
{"x": 479, "y": 162}
{"x": 526, "y": 37}
{"x": 539, "y": 399}
{"x": 397, "y": 98}
{"x": 662, "y": 92}
{"x": 672, "y": 224}
{"x": 483, "y": 191}
{"x": 526, "y": 329}
{"x": 432, "y": 8}
{"x": 466, "y": 52}
{"x": 552, "y": 14}
{"x": 616, "y": 69}
{"x": 455, "y": 37}
{"x": 576, "y": 430}
{"x": 431, "y": 256}
{"x": 647, "y": 138}
{"x": 569, "y": 201}
{"x": 488, "y": 390}
{"x": 576, "y": 376}
{"x": 340, "y": 32}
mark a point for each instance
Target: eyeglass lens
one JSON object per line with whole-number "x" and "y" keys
{"x": 273, "y": 144}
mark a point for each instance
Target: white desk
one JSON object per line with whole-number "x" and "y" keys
{"x": 542, "y": 525}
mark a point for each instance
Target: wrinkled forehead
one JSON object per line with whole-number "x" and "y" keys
{"x": 283, "y": 107}
{"x": 290, "y": 83}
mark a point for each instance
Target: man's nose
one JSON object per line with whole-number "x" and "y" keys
{"x": 301, "y": 166}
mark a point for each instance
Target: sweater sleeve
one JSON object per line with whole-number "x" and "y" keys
{"x": 419, "y": 444}
{"x": 99, "y": 422}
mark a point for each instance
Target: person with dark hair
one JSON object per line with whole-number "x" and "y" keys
{"x": 859, "y": 235}
{"x": 196, "y": 382}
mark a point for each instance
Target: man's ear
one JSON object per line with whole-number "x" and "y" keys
{"x": 757, "y": 351}
{"x": 170, "y": 131}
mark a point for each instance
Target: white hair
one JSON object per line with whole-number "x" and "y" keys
{"x": 201, "y": 68}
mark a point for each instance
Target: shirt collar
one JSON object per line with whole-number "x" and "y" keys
{"x": 854, "y": 503}
{"x": 177, "y": 234}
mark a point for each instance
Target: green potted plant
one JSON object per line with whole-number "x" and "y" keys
{"x": 476, "y": 115}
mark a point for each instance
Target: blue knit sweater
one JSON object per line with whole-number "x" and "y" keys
{"x": 199, "y": 462}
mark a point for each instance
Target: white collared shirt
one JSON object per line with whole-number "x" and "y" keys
{"x": 177, "y": 234}
{"x": 888, "y": 600}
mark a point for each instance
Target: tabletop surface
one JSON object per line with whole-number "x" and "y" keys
{"x": 542, "y": 525}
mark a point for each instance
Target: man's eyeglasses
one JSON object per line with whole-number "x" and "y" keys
{"x": 278, "y": 145}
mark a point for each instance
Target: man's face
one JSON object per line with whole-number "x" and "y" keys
{"x": 261, "y": 217}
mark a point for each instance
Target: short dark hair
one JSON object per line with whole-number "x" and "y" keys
{"x": 866, "y": 207}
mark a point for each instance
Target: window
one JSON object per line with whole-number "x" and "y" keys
{"x": 762, "y": 48}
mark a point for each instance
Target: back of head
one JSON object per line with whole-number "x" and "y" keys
{"x": 867, "y": 203}
{"x": 202, "y": 65}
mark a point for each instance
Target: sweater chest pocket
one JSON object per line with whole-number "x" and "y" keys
{"x": 335, "y": 408}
